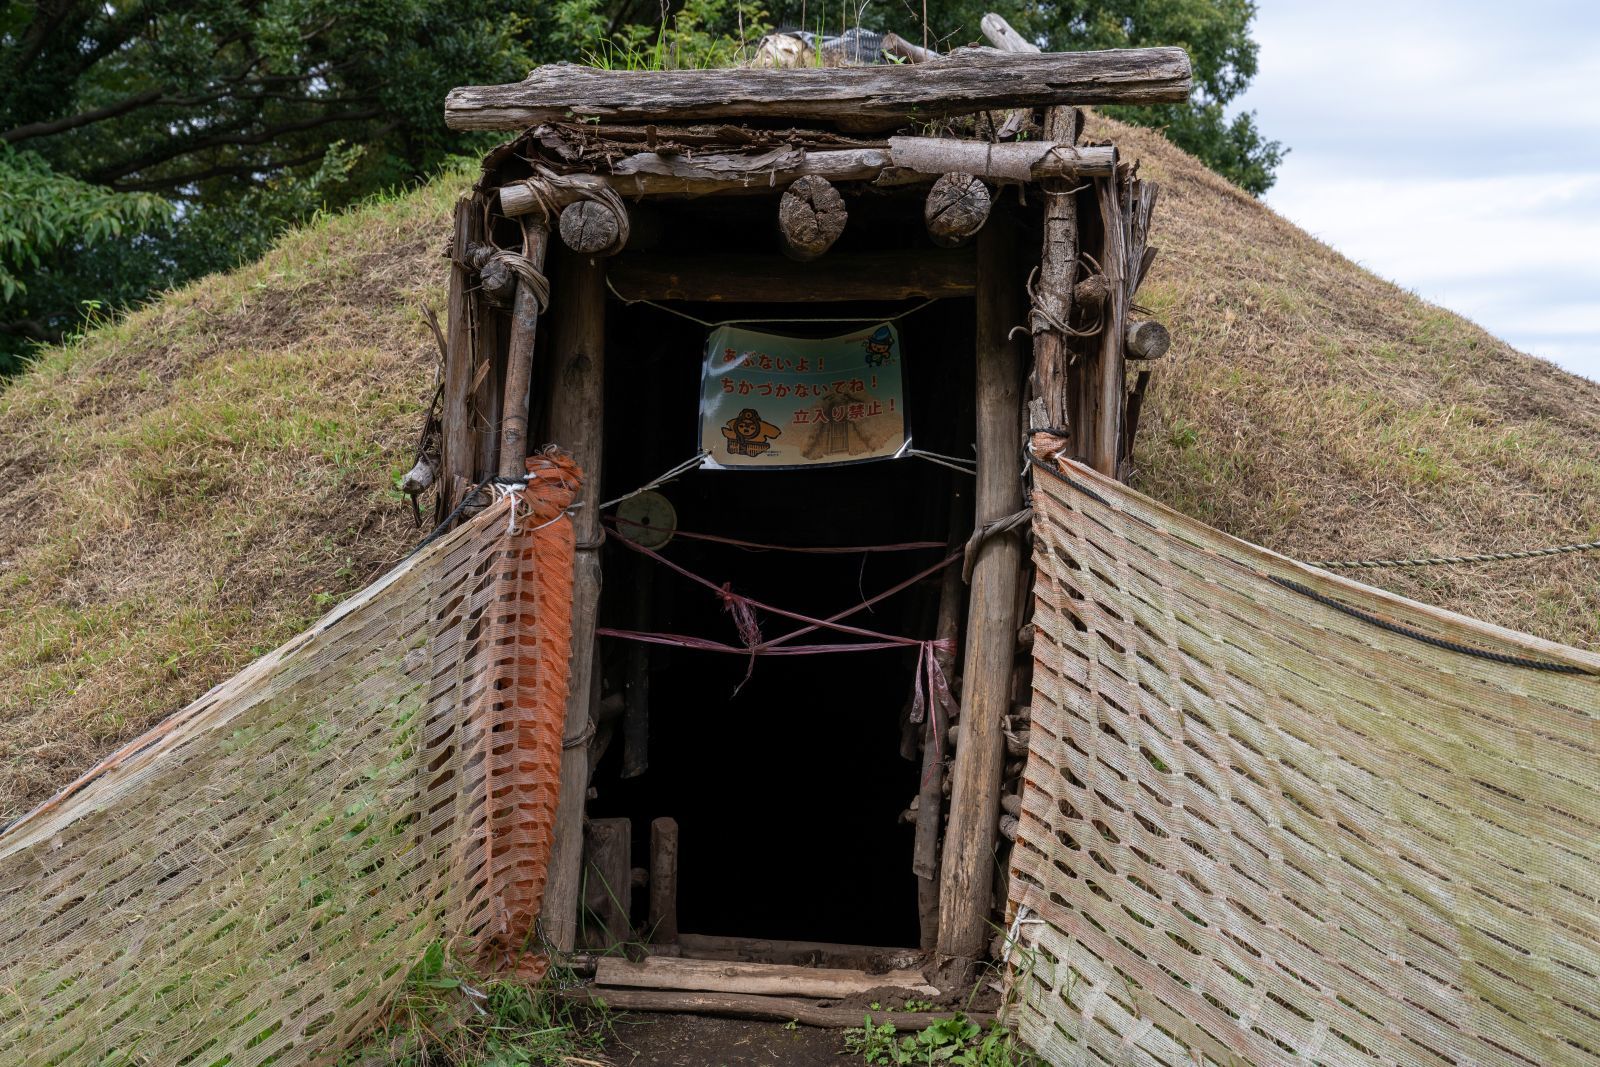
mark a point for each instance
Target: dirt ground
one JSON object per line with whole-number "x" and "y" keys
{"x": 642, "y": 1040}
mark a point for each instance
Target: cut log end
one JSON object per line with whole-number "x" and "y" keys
{"x": 957, "y": 207}
{"x": 591, "y": 227}
{"x": 1147, "y": 340}
{"x": 811, "y": 216}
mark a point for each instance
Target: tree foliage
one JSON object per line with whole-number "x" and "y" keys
{"x": 144, "y": 142}
{"x": 240, "y": 117}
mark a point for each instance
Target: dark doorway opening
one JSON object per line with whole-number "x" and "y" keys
{"x": 787, "y": 785}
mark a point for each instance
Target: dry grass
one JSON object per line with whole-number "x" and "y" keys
{"x": 190, "y": 486}
{"x": 1325, "y": 413}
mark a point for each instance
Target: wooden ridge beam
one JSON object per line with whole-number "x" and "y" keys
{"x": 755, "y": 278}
{"x": 862, "y": 98}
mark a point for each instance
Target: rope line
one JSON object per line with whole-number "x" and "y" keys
{"x": 1440, "y": 561}
{"x": 761, "y": 546}
{"x": 660, "y": 479}
{"x": 1427, "y": 639}
{"x": 630, "y": 301}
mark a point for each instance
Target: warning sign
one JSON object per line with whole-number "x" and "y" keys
{"x": 773, "y": 401}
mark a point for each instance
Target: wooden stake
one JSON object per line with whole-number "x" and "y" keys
{"x": 459, "y": 454}
{"x": 957, "y": 207}
{"x": 576, "y": 424}
{"x": 519, "y": 362}
{"x": 965, "y": 894}
{"x": 811, "y": 216}
{"x": 663, "y": 882}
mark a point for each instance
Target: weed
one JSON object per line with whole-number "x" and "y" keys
{"x": 447, "y": 1016}
{"x": 957, "y": 1041}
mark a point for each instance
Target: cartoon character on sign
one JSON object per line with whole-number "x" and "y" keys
{"x": 748, "y": 434}
{"x": 880, "y": 347}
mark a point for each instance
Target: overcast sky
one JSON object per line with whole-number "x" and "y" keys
{"x": 1452, "y": 146}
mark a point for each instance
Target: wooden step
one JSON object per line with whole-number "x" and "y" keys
{"x": 722, "y": 976}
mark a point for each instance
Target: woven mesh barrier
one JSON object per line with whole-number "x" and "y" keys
{"x": 1266, "y": 828}
{"x": 250, "y": 882}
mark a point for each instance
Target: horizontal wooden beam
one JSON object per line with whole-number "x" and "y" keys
{"x": 721, "y": 976}
{"x": 751, "y": 1006}
{"x": 908, "y": 161}
{"x": 808, "y": 953}
{"x": 862, "y": 98}
{"x": 759, "y": 279}
{"x": 1018, "y": 161}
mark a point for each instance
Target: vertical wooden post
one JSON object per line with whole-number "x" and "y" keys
{"x": 664, "y": 882}
{"x": 608, "y": 883}
{"x": 576, "y": 424}
{"x": 486, "y": 401}
{"x": 930, "y": 795}
{"x": 1106, "y": 384}
{"x": 1057, "y": 266}
{"x": 966, "y": 880}
{"x": 459, "y": 459}
{"x": 519, "y": 361}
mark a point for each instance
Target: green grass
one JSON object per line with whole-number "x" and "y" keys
{"x": 449, "y": 1015}
{"x": 193, "y": 483}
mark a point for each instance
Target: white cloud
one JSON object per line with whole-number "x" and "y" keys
{"x": 1452, "y": 147}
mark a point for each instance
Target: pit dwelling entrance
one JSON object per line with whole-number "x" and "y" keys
{"x": 799, "y": 684}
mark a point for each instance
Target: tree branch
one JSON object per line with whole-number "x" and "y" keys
{"x": 173, "y": 150}
{"x": 235, "y": 170}
{"x": 83, "y": 118}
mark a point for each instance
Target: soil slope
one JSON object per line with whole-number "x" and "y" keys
{"x": 187, "y": 487}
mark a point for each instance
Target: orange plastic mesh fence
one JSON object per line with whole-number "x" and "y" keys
{"x": 250, "y": 882}
{"x": 1258, "y": 829}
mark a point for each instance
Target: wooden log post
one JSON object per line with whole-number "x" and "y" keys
{"x": 957, "y": 207}
{"x": 1104, "y": 377}
{"x": 458, "y": 459}
{"x": 1058, "y": 263}
{"x": 1001, "y": 34}
{"x": 866, "y": 97}
{"x": 1147, "y": 340}
{"x": 594, "y": 227}
{"x": 519, "y": 356}
{"x": 895, "y": 45}
{"x": 607, "y": 883}
{"x": 576, "y": 424}
{"x": 663, "y": 882}
{"x": 965, "y": 895}
{"x": 811, "y": 216}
